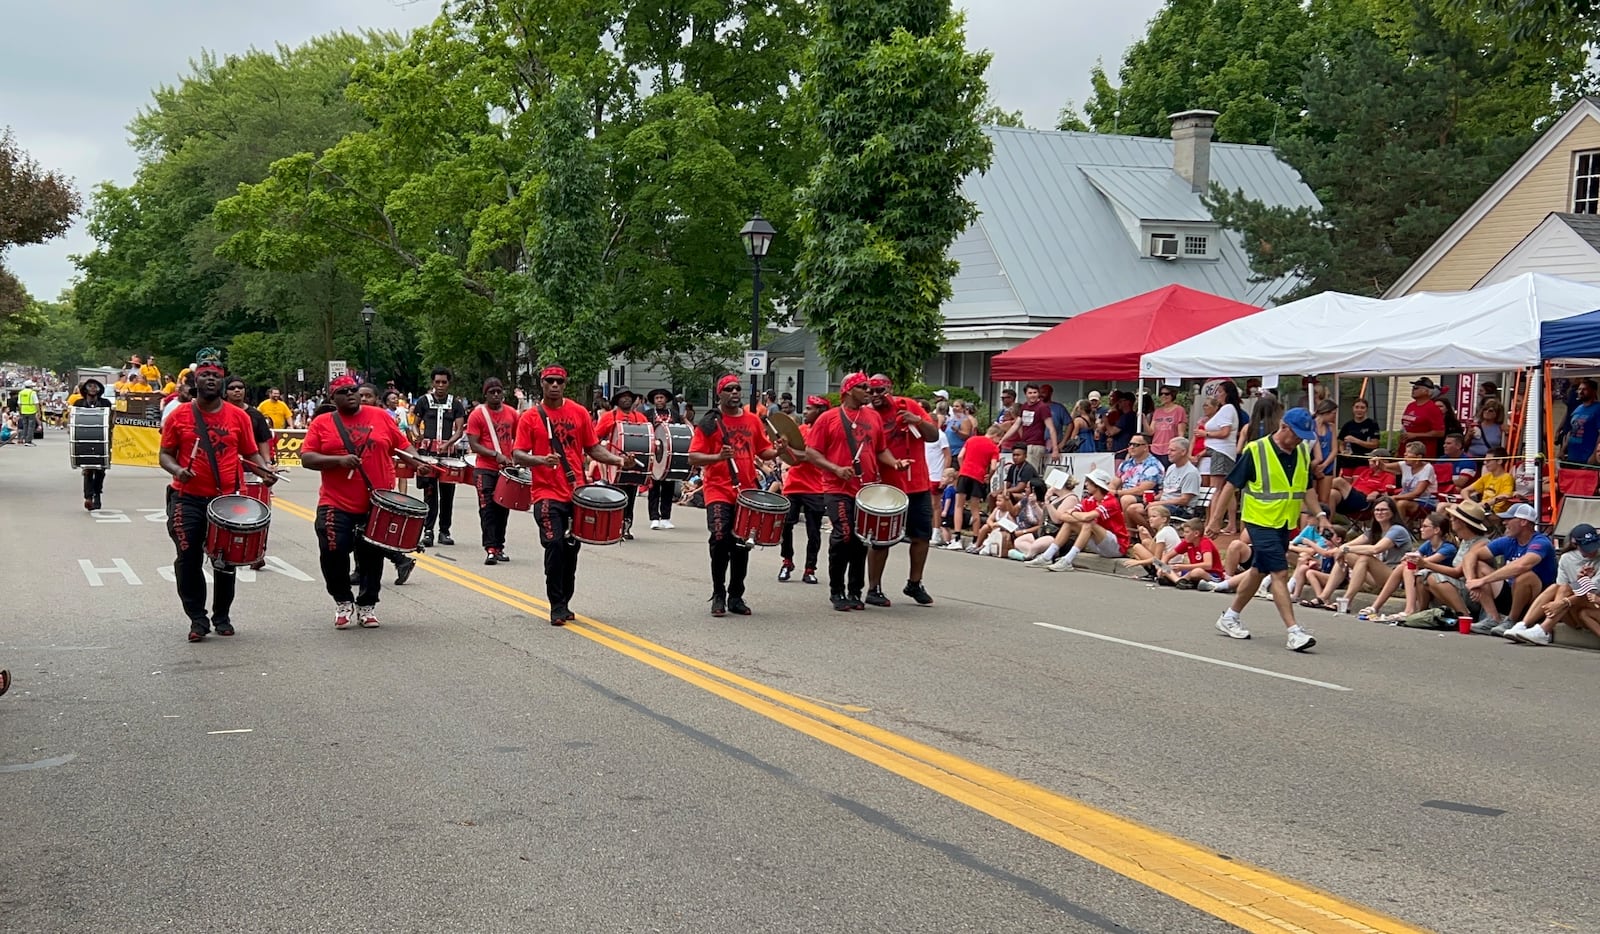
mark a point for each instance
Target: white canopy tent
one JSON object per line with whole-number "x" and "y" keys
{"x": 1489, "y": 329}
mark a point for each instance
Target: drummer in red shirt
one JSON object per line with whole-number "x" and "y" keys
{"x": 350, "y": 472}
{"x": 725, "y": 446}
{"x": 553, "y": 435}
{"x": 491, "y": 431}
{"x": 907, "y": 427}
{"x": 203, "y": 468}
{"x": 624, "y": 411}
{"x": 802, "y": 483}
{"x": 848, "y": 444}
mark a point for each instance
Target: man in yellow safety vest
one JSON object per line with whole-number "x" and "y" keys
{"x": 1273, "y": 474}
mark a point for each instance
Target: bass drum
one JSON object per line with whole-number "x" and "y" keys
{"x": 89, "y": 431}
{"x": 671, "y": 462}
{"x": 630, "y": 438}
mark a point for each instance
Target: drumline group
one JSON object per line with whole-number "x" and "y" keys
{"x": 862, "y": 464}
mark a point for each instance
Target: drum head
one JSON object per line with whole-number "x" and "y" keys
{"x": 399, "y": 503}
{"x": 520, "y": 475}
{"x": 238, "y": 512}
{"x": 881, "y": 498}
{"x": 599, "y": 496}
{"x": 452, "y": 463}
{"x": 764, "y": 501}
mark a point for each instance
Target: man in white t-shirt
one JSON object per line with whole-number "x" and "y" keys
{"x": 1575, "y": 596}
{"x": 937, "y": 452}
{"x": 1179, "y": 487}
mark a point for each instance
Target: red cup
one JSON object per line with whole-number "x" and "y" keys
{"x": 1149, "y": 497}
{"x": 1464, "y": 625}
{"x": 1411, "y": 565}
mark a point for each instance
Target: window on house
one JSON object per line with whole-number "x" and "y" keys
{"x": 1586, "y": 183}
{"x": 1194, "y": 245}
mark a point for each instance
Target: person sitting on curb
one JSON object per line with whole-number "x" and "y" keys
{"x": 1195, "y": 563}
{"x": 1447, "y": 585}
{"x": 1156, "y": 541}
{"x": 1368, "y": 559}
{"x": 1097, "y": 526}
{"x": 1529, "y": 566}
{"x": 1435, "y": 553}
{"x": 1575, "y": 596}
{"x": 1317, "y": 552}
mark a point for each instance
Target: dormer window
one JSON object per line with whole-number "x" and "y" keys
{"x": 1586, "y": 183}
{"x": 1196, "y": 245}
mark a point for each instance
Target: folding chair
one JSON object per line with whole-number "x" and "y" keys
{"x": 1575, "y": 510}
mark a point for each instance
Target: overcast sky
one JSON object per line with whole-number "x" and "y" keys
{"x": 74, "y": 72}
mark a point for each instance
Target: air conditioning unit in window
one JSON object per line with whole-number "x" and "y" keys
{"x": 1164, "y": 246}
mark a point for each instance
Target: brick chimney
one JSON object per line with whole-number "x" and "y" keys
{"x": 1191, "y": 146}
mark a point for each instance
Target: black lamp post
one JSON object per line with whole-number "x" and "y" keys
{"x": 367, "y": 314}
{"x": 757, "y": 236}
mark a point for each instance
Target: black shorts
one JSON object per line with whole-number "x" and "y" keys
{"x": 919, "y": 517}
{"x": 972, "y": 489}
{"x": 1269, "y": 548}
{"x": 1354, "y": 503}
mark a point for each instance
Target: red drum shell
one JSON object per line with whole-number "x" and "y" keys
{"x": 455, "y": 470}
{"x": 881, "y": 515}
{"x": 395, "y": 521}
{"x": 236, "y": 530}
{"x": 514, "y": 489}
{"x": 403, "y": 469}
{"x": 257, "y": 489}
{"x": 597, "y": 514}
{"x": 759, "y": 518}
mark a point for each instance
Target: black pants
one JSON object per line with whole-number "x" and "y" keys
{"x": 809, "y": 504}
{"x": 441, "y": 500}
{"x": 554, "y": 519}
{"x": 730, "y": 560}
{"x": 632, "y": 493}
{"x": 186, "y": 524}
{"x": 846, "y": 552}
{"x": 339, "y": 534}
{"x": 94, "y": 483}
{"x": 492, "y": 516}
{"x": 659, "y": 501}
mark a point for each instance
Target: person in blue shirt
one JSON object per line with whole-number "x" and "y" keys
{"x": 1527, "y": 566}
{"x": 1584, "y": 425}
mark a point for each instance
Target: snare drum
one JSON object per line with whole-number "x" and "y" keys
{"x": 395, "y": 521}
{"x": 633, "y": 438}
{"x": 881, "y": 515}
{"x": 257, "y": 489}
{"x": 403, "y": 469}
{"x": 759, "y": 519}
{"x": 597, "y": 514}
{"x": 671, "y": 461}
{"x": 514, "y": 489}
{"x": 455, "y": 470}
{"x": 89, "y": 430}
{"x": 236, "y": 530}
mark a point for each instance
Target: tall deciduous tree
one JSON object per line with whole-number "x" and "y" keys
{"x": 35, "y": 205}
{"x": 893, "y": 97}
{"x": 1396, "y": 143}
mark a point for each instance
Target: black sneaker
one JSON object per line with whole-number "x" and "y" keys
{"x": 403, "y": 569}
{"x": 841, "y": 603}
{"x": 489, "y": 557}
{"x": 719, "y": 605}
{"x": 222, "y": 627}
{"x": 627, "y": 531}
{"x": 917, "y": 592}
{"x": 809, "y": 577}
{"x": 559, "y": 615}
{"x": 97, "y": 501}
{"x": 501, "y": 556}
{"x": 876, "y": 598}
{"x": 786, "y": 572}
{"x": 198, "y": 630}
{"x": 738, "y": 607}
{"x": 855, "y": 602}
{"x": 427, "y": 538}
{"x": 445, "y": 539}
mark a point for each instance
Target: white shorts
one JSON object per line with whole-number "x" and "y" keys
{"x": 1104, "y": 545}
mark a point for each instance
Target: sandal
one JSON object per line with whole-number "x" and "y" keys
{"x": 1314, "y": 603}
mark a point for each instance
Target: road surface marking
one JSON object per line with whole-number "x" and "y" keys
{"x": 118, "y": 566}
{"x": 221, "y": 732}
{"x": 1198, "y": 658}
{"x": 1246, "y": 896}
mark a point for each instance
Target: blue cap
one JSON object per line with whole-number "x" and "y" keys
{"x": 1585, "y": 537}
{"x": 1302, "y": 423}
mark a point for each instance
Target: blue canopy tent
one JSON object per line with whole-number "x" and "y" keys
{"x": 1575, "y": 338}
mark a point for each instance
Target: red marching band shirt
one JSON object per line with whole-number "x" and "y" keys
{"x": 804, "y": 477}
{"x": 574, "y": 428}
{"x": 905, "y": 444}
{"x": 742, "y": 432}
{"x": 828, "y": 437}
{"x": 232, "y": 437}
{"x": 504, "y": 428}
{"x": 375, "y": 436}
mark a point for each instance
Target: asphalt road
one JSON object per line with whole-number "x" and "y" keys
{"x": 467, "y": 767}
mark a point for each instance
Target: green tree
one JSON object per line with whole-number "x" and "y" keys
{"x": 1068, "y": 120}
{"x": 35, "y": 205}
{"x": 1396, "y": 146}
{"x": 993, "y": 114}
{"x": 893, "y": 97}
{"x": 49, "y": 335}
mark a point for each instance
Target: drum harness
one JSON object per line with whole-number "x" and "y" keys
{"x": 203, "y": 433}
{"x": 559, "y": 450}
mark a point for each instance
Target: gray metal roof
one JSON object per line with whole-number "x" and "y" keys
{"x": 1586, "y": 226}
{"x": 1049, "y": 244}
{"x": 788, "y": 344}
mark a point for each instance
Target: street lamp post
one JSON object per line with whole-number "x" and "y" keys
{"x": 367, "y": 314}
{"x": 757, "y": 236}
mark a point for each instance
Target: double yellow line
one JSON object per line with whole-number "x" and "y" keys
{"x": 1246, "y": 896}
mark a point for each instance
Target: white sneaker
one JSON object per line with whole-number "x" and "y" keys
{"x": 667, "y": 524}
{"x": 655, "y": 525}
{"x": 1061, "y": 564}
{"x": 1206, "y": 586}
{"x": 1264, "y": 592}
{"x": 1232, "y": 627}
{"x": 367, "y": 617}
{"x": 1300, "y": 640}
{"x": 1037, "y": 561}
{"x": 953, "y": 545}
{"x": 343, "y": 614}
{"x": 1515, "y": 633}
{"x": 1536, "y": 635}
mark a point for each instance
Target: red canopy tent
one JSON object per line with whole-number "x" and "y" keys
{"x": 1106, "y": 343}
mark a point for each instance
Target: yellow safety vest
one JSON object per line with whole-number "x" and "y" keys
{"x": 1272, "y": 500}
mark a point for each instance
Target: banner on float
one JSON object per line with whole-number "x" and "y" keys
{"x": 286, "y": 442}
{"x": 1076, "y": 467}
